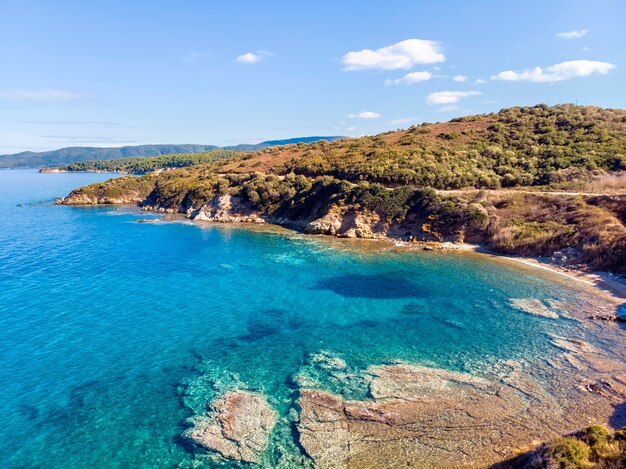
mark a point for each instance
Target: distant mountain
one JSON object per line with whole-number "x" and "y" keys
{"x": 29, "y": 159}
{"x": 274, "y": 143}
{"x": 64, "y": 156}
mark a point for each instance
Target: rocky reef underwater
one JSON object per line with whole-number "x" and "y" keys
{"x": 328, "y": 414}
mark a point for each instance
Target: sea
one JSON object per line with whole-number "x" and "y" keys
{"x": 117, "y": 326}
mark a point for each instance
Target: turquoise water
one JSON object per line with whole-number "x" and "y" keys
{"x": 112, "y": 331}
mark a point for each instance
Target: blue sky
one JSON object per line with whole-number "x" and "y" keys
{"x": 96, "y": 73}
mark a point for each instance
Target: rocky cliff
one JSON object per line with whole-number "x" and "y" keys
{"x": 570, "y": 229}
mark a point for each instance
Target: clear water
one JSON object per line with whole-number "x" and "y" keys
{"x": 104, "y": 321}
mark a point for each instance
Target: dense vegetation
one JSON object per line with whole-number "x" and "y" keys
{"x": 396, "y": 179}
{"x": 591, "y": 448}
{"x": 297, "y": 197}
{"x": 525, "y": 146}
{"x": 142, "y": 165}
{"x": 124, "y": 190}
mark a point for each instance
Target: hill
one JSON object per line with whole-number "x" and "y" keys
{"x": 288, "y": 141}
{"x": 495, "y": 179}
{"x": 65, "y": 156}
{"x": 527, "y": 146}
{"x": 29, "y": 159}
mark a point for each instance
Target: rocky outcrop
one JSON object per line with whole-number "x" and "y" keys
{"x": 52, "y": 170}
{"x": 95, "y": 198}
{"x": 403, "y": 415}
{"x": 226, "y": 209}
{"x": 417, "y": 416}
{"x": 346, "y": 222}
{"x": 120, "y": 191}
{"x": 406, "y": 415}
{"x": 237, "y": 427}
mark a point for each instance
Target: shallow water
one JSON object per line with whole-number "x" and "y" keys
{"x": 112, "y": 331}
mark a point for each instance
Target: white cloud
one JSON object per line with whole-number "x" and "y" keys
{"x": 351, "y": 129}
{"x": 40, "y": 95}
{"x": 410, "y": 78}
{"x": 480, "y": 81}
{"x": 253, "y": 57}
{"x": 365, "y": 115}
{"x": 449, "y": 97}
{"x": 192, "y": 56}
{"x": 402, "y": 55}
{"x": 459, "y": 78}
{"x": 573, "y": 34}
{"x": 558, "y": 72}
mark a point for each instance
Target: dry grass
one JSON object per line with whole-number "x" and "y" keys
{"x": 592, "y": 229}
{"x": 610, "y": 183}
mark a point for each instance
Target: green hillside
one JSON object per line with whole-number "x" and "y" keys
{"x": 489, "y": 179}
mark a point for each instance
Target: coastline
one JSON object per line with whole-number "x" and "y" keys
{"x": 605, "y": 283}
{"x": 556, "y": 396}
{"x": 582, "y": 379}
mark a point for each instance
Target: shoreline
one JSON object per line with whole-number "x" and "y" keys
{"x": 603, "y": 282}
{"x": 574, "y": 377}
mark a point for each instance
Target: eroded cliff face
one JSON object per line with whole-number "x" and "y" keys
{"x": 348, "y": 222}
{"x": 585, "y": 232}
{"x": 344, "y": 221}
{"x": 226, "y": 209}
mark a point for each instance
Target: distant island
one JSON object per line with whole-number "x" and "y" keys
{"x": 65, "y": 156}
{"x": 535, "y": 181}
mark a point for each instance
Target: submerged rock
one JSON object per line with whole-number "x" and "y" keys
{"x": 238, "y": 426}
{"x": 418, "y": 416}
{"x": 404, "y": 381}
{"x": 533, "y": 306}
{"x": 327, "y": 361}
{"x": 323, "y": 428}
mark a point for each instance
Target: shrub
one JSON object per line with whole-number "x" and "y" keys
{"x": 595, "y": 434}
{"x": 571, "y": 453}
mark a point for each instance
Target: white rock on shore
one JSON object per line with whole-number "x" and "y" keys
{"x": 226, "y": 209}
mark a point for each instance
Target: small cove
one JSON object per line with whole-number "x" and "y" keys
{"x": 113, "y": 331}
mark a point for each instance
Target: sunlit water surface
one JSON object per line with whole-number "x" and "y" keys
{"x": 103, "y": 320}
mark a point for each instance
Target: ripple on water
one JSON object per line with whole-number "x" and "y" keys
{"x": 103, "y": 319}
